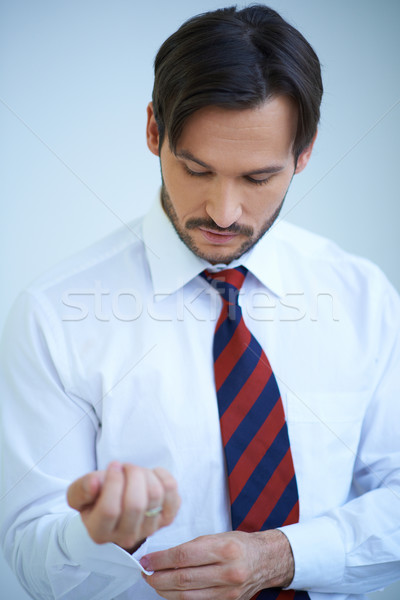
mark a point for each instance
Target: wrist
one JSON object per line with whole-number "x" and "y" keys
{"x": 135, "y": 547}
{"x": 277, "y": 558}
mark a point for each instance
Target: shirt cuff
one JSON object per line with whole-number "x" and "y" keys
{"x": 319, "y": 554}
{"x": 108, "y": 559}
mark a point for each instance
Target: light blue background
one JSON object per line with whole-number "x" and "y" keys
{"x": 75, "y": 78}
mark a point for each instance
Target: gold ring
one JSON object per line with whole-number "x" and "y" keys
{"x": 153, "y": 512}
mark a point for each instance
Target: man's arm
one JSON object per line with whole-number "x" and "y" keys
{"x": 48, "y": 439}
{"x": 353, "y": 548}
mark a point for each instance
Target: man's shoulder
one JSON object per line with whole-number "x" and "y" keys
{"x": 115, "y": 253}
{"x": 311, "y": 246}
{"x": 322, "y": 259}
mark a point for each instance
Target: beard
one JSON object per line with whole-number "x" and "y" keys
{"x": 183, "y": 231}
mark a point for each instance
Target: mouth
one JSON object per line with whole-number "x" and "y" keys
{"x": 217, "y": 237}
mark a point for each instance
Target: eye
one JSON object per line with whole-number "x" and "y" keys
{"x": 258, "y": 181}
{"x": 195, "y": 173}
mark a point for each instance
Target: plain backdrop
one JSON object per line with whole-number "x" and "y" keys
{"x": 75, "y": 79}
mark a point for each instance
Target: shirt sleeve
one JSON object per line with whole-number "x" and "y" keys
{"x": 355, "y": 548}
{"x": 48, "y": 439}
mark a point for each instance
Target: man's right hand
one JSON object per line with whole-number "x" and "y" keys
{"x": 113, "y": 503}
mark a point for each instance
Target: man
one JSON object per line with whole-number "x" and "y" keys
{"x": 122, "y": 407}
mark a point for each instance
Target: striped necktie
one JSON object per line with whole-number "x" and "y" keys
{"x": 261, "y": 478}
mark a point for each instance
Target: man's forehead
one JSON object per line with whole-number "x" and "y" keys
{"x": 268, "y": 128}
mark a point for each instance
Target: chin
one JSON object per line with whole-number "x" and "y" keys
{"x": 216, "y": 254}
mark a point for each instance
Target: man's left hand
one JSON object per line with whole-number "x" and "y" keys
{"x": 224, "y": 566}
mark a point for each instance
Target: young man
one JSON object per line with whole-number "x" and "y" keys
{"x": 279, "y": 433}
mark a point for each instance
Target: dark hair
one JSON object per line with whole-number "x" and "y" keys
{"x": 235, "y": 59}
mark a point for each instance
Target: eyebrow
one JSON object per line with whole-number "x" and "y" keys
{"x": 185, "y": 154}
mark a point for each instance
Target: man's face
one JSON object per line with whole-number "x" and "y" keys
{"x": 225, "y": 185}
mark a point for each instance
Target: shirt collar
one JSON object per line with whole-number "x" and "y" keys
{"x": 173, "y": 265}
{"x": 264, "y": 261}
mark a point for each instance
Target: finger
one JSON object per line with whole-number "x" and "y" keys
{"x": 134, "y": 503}
{"x": 197, "y": 578}
{"x": 172, "y": 500}
{"x": 104, "y": 517}
{"x": 216, "y": 593}
{"x": 213, "y": 593}
{"x": 191, "y": 554}
{"x": 155, "y": 500}
{"x": 84, "y": 491}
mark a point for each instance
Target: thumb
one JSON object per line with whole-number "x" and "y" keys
{"x": 84, "y": 491}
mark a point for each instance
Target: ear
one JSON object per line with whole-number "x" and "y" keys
{"x": 304, "y": 157}
{"x": 152, "y": 134}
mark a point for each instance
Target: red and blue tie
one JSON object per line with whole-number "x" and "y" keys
{"x": 261, "y": 478}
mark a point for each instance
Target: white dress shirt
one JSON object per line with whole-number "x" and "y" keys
{"x": 109, "y": 356}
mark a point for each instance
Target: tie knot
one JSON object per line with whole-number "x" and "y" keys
{"x": 227, "y": 282}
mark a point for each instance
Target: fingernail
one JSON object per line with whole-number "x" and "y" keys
{"x": 115, "y": 466}
{"x": 86, "y": 485}
{"x": 144, "y": 561}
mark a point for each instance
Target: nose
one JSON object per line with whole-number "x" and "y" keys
{"x": 223, "y": 205}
